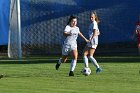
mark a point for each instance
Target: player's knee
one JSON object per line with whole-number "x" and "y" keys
{"x": 75, "y": 58}
{"x": 85, "y": 57}
{"x": 85, "y": 54}
{"x": 90, "y": 57}
{"x": 64, "y": 60}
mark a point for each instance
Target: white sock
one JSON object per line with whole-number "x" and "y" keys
{"x": 59, "y": 61}
{"x": 73, "y": 64}
{"x": 93, "y": 60}
{"x": 85, "y": 59}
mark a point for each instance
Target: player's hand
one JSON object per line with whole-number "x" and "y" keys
{"x": 87, "y": 40}
{"x": 91, "y": 42}
{"x": 72, "y": 33}
{"x": 66, "y": 33}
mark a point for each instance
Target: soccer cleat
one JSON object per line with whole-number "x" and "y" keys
{"x": 1, "y": 76}
{"x": 57, "y": 66}
{"x": 71, "y": 73}
{"x": 98, "y": 70}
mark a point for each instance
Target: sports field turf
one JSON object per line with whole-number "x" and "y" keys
{"x": 40, "y": 76}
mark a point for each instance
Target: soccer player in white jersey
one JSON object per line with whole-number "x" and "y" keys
{"x": 91, "y": 46}
{"x": 71, "y": 33}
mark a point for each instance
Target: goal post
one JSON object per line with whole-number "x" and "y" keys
{"x": 36, "y": 26}
{"x": 14, "y": 42}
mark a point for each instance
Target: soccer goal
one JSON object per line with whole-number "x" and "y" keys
{"x": 36, "y": 26}
{"x": 14, "y": 43}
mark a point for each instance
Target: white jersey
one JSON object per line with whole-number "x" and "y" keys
{"x": 138, "y": 27}
{"x": 70, "y": 42}
{"x": 92, "y": 26}
{"x": 73, "y": 37}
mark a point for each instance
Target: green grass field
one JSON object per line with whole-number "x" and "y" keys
{"x": 39, "y": 76}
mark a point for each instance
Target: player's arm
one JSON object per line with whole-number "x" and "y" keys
{"x": 134, "y": 34}
{"x": 66, "y": 33}
{"x": 98, "y": 33}
{"x": 81, "y": 35}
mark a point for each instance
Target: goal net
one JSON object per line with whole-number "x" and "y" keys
{"x": 36, "y": 26}
{"x": 41, "y": 29}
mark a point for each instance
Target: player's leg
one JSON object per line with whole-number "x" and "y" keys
{"x": 139, "y": 47}
{"x": 65, "y": 52}
{"x": 61, "y": 60}
{"x": 138, "y": 43}
{"x": 85, "y": 54}
{"x": 74, "y": 55}
{"x": 93, "y": 60}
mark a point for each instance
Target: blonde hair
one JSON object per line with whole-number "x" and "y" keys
{"x": 96, "y": 17}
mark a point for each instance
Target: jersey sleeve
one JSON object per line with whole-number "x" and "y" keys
{"x": 67, "y": 29}
{"x": 78, "y": 30}
{"x": 95, "y": 26}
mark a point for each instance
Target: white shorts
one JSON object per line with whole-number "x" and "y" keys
{"x": 91, "y": 46}
{"x": 66, "y": 49}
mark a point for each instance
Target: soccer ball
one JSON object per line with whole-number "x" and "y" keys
{"x": 86, "y": 71}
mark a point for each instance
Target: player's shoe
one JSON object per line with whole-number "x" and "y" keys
{"x": 57, "y": 66}
{"x": 1, "y": 76}
{"x": 98, "y": 70}
{"x": 71, "y": 73}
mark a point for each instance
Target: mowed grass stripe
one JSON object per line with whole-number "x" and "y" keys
{"x": 43, "y": 78}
